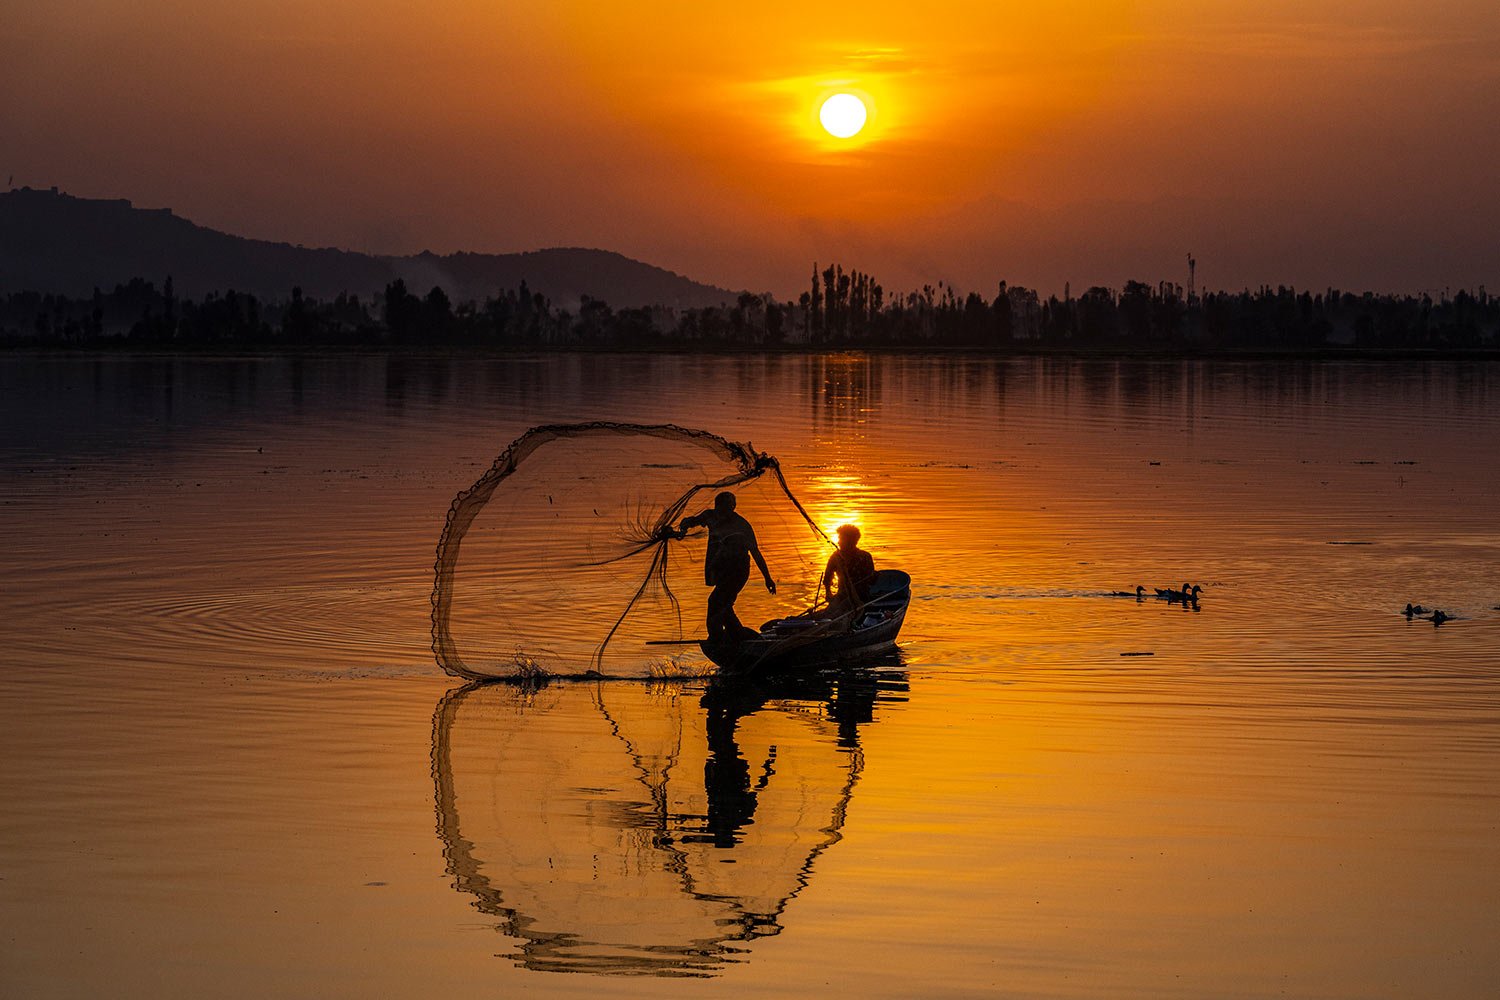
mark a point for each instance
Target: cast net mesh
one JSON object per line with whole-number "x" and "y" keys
{"x": 558, "y": 560}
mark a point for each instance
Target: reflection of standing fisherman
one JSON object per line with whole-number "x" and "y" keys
{"x": 726, "y": 565}
{"x": 726, "y": 778}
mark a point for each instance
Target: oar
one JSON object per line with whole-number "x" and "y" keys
{"x": 674, "y": 642}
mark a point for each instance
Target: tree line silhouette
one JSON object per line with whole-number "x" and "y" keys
{"x": 840, "y": 310}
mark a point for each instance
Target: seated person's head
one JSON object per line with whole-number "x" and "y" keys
{"x": 848, "y": 536}
{"x": 724, "y": 502}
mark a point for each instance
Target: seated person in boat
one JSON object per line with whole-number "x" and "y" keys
{"x": 726, "y": 565}
{"x": 853, "y": 569}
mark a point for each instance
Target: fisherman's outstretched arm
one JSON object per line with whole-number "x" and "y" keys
{"x": 760, "y": 561}
{"x": 692, "y": 521}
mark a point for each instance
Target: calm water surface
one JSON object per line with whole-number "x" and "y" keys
{"x": 231, "y": 767}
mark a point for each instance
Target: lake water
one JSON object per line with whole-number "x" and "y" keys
{"x": 231, "y": 767}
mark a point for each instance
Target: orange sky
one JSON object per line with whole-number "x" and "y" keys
{"x": 1309, "y": 143}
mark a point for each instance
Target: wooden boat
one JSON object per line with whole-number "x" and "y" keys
{"x": 820, "y": 637}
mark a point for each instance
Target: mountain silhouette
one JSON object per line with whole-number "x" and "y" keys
{"x": 54, "y": 242}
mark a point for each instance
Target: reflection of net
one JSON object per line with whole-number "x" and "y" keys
{"x": 566, "y": 554}
{"x": 603, "y": 823}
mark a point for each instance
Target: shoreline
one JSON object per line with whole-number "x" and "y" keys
{"x": 1330, "y": 353}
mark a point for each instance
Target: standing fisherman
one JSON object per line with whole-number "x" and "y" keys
{"x": 726, "y": 565}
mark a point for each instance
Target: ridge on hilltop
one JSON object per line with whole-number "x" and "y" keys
{"x": 52, "y": 242}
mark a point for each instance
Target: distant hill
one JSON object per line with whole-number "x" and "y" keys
{"x": 53, "y": 242}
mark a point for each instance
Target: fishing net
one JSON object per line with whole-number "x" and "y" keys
{"x": 561, "y": 560}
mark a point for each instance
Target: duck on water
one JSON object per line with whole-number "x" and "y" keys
{"x": 1139, "y": 593}
{"x": 1437, "y": 616}
{"x": 1187, "y": 595}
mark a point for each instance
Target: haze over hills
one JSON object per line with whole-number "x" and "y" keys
{"x": 56, "y": 243}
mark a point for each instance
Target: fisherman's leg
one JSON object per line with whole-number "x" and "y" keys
{"x": 716, "y": 608}
{"x": 732, "y": 587}
{"x": 844, "y": 609}
{"x": 721, "y": 618}
{"x": 732, "y": 623}
{"x": 722, "y": 621}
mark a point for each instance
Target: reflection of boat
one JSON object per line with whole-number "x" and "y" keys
{"x": 629, "y": 828}
{"x": 817, "y": 637}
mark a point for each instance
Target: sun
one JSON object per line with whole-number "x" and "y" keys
{"x": 843, "y": 115}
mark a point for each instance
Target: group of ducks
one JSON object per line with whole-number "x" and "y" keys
{"x": 1436, "y": 616}
{"x": 1187, "y": 595}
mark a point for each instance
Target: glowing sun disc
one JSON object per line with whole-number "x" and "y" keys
{"x": 843, "y": 115}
